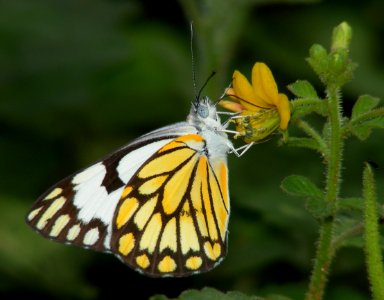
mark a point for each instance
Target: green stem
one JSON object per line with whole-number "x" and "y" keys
{"x": 324, "y": 253}
{"x": 372, "y": 236}
{"x": 310, "y": 131}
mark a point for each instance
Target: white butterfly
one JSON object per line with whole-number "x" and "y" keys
{"x": 160, "y": 204}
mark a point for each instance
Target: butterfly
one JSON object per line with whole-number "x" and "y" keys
{"x": 160, "y": 203}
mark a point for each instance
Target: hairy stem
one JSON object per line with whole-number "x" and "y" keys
{"x": 372, "y": 236}
{"x": 324, "y": 252}
{"x": 322, "y": 146}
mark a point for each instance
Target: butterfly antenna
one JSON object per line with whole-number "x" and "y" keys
{"x": 205, "y": 84}
{"x": 246, "y": 101}
{"x": 193, "y": 63}
{"x": 197, "y": 93}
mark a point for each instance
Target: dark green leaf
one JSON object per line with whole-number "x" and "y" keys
{"x": 303, "y": 187}
{"x": 303, "y": 107}
{"x": 362, "y": 133}
{"x": 303, "y": 143}
{"x": 364, "y": 104}
{"x": 303, "y": 89}
{"x": 362, "y": 125}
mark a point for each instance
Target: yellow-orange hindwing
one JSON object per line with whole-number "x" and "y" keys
{"x": 173, "y": 221}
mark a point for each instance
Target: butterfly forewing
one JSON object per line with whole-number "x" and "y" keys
{"x": 172, "y": 216}
{"x": 79, "y": 209}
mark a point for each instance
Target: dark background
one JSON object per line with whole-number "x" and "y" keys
{"x": 79, "y": 79}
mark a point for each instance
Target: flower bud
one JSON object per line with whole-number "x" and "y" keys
{"x": 341, "y": 37}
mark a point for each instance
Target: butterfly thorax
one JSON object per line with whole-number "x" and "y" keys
{"x": 204, "y": 117}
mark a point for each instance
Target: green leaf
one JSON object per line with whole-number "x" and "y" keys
{"x": 362, "y": 132}
{"x": 364, "y": 104}
{"x": 309, "y": 143}
{"x": 208, "y": 293}
{"x": 362, "y": 125}
{"x": 302, "y": 107}
{"x": 303, "y": 89}
{"x": 301, "y": 186}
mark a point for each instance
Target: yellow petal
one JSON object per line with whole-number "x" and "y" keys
{"x": 264, "y": 84}
{"x": 229, "y": 92}
{"x": 232, "y": 106}
{"x": 284, "y": 111}
{"x": 232, "y": 94}
{"x": 244, "y": 91}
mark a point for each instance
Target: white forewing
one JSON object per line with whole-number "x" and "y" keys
{"x": 90, "y": 194}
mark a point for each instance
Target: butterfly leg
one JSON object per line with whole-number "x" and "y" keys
{"x": 241, "y": 150}
{"x": 229, "y": 131}
{"x": 227, "y": 113}
{"x": 233, "y": 115}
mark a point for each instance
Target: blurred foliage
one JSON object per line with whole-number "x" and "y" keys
{"x": 209, "y": 294}
{"x": 81, "y": 78}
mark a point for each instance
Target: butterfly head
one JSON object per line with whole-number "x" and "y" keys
{"x": 203, "y": 112}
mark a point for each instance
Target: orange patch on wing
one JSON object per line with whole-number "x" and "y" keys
{"x": 194, "y": 262}
{"x": 223, "y": 180}
{"x": 126, "y": 192}
{"x": 212, "y": 252}
{"x": 145, "y": 212}
{"x": 166, "y": 162}
{"x": 196, "y": 198}
{"x": 207, "y": 201}
{"x": 152, "y": 185}
{"x": 127, "y": 209}
{"x": 218, "y": 205}
{"x": 143, "y": 261}
{"x": 126, "y": 243}
{"x": 190, "y": 137}
{"x": 167, "y": 264}
{"x": 176, "y": 187}
{"x": 193, "y": 141}
{"x": 172, "y": 145}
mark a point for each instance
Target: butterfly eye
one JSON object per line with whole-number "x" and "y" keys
{"x": 203, "y": 111}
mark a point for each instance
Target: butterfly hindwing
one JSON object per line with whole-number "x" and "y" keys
{"x": 172, "y": 217}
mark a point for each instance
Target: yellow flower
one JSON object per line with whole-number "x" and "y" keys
{"x": 262, "y": 109}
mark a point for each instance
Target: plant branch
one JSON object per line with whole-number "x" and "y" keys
{"x": 372, "y": 236}
{"x": 324, "y": 253}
